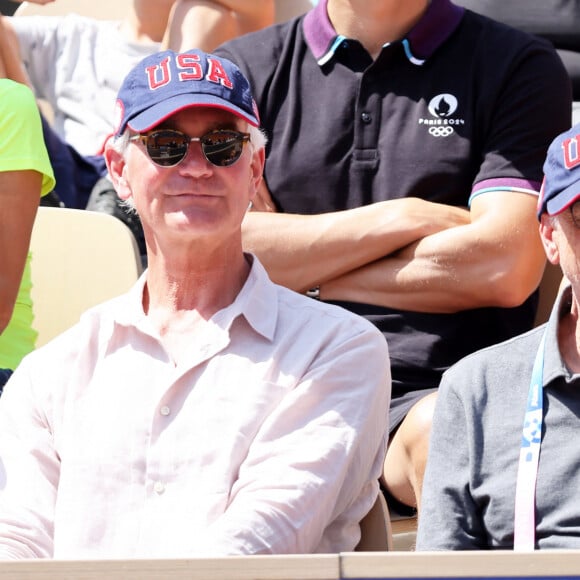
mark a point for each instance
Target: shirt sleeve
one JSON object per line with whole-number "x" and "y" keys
{"x": 29, "y": 473}
{"x": 38, "y": 40}
{"x": 22, "y": 145}
{"x": 449, "y": 518}
{"x": 315, "y": 462}
{"x": 531, "y": 107}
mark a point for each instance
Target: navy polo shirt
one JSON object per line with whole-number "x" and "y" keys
{"x": 460, "y": 106}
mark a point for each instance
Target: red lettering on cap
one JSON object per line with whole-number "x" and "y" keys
{"x": 571, "y": 149}
{"x": 217, "y": 74}
{"x": 190, "y": 67}
{"x": 158, "y": 75}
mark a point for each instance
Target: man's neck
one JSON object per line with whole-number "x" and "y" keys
{"x": 375, "y": 22}
{"x": 193, "y": 284}
{"x": 179, "y": 302}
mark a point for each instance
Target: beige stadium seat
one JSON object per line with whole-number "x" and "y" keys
{"x": 79, "y": 259}
{"x": 404, "y": 529}
{"x": 376, "y": 535}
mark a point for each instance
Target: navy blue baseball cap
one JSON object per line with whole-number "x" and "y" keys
{"x": 561, "y": 185}
{"x": 167, "y": 82}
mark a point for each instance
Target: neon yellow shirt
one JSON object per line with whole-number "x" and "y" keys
{"x": 21, "y": 149}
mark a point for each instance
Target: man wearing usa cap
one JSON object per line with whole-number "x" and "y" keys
{"x": 208, "y": 411}
{"x": 503, "y": 461}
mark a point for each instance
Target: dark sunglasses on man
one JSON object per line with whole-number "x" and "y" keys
{"x": 168, "y": 148}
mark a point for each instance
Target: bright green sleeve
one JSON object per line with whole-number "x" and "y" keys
{"x": 21, "y": 149}
{"x": 21, "y": 141}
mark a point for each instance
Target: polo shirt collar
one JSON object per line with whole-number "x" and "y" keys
{"x": 437, "y": 24}
{"x": 554, "y": 365}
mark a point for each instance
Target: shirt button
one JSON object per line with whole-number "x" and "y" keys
{"x": 366, "y": 118}
{"x": 159, "y": 487}
{"x": 165, "y": 411}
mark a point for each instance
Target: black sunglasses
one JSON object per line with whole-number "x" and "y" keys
{"x": 168, "y": 148}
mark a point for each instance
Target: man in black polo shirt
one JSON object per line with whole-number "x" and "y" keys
{"x": 406, "y": 142}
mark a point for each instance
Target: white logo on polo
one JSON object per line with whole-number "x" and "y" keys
{"x": 443, "y": 105}
{"x": 441, "y": 122}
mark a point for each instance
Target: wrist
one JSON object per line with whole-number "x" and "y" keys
{"x": 314, "y": 293}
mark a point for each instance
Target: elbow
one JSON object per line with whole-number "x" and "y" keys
{"x": 509, "y": 290}
{"x": 511, "y": 299}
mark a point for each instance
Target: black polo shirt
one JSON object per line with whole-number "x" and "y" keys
{"x": 460, "y": 106}
{"x": 556, "y": 20}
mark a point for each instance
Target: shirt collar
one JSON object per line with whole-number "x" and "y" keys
{"x": 257, "y": 301}
{"x": 437, "y": 24}
{"x": 554, "y": 365}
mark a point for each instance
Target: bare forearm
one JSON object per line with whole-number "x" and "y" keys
{"x": 254, "y": 8}
{"x": 303, "y": 251}
{"x": 10, "y": 61}
{"x": 19, "y": 198}
{"x": 463, "y": 268}
{"x": 206, "y": 24}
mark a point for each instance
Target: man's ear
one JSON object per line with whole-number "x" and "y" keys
{"x": 257, "y": 175}
{"x": 547, "y": 235}
{"x": 116, "y": 167}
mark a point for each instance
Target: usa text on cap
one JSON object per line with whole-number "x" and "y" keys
{"x": 167, "y": 82}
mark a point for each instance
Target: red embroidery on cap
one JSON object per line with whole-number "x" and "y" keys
{"x": 158, "y": 75}
{"x": 217, "y": 74}
{"x": 190, "y": 69}
{"x": 571, "y": 149}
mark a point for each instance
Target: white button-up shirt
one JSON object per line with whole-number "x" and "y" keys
{"x": 269, "y": 440}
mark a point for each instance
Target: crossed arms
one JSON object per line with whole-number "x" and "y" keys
{"x": 408, "y": 253}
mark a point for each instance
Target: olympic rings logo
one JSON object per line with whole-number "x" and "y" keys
{"x": 443, "y": 131}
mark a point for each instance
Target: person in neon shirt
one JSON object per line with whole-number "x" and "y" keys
{"x": 25, "y": 176}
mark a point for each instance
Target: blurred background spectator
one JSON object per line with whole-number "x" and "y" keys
{"x": 8, "y": 7}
